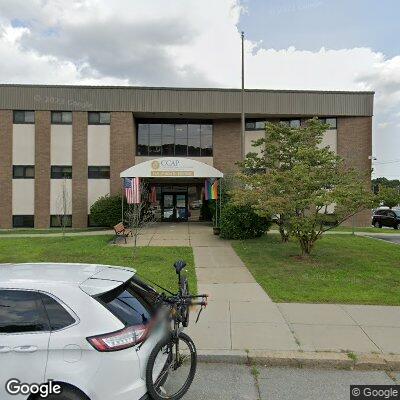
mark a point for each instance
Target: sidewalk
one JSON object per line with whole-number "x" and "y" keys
{"x": 241, "y": 316}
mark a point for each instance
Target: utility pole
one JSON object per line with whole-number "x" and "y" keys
{"x": 243, "y": 116}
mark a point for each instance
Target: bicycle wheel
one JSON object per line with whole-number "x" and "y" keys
{"x": 171, "y": 368}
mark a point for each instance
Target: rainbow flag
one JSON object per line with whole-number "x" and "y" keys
{"x": 211, "y": 189}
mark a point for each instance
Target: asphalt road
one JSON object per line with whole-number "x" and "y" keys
{"x": 236, "y": 382}
{"x": 387, "y": 238}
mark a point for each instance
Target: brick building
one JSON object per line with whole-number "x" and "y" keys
{"x": 77, "y": 140}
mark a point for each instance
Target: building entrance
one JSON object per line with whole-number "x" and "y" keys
{"x": 174, "y": 207}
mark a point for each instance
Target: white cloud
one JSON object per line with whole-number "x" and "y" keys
{"x": 180, "y": 43}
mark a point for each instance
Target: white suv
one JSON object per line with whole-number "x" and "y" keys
{"x": 82, "y": 326}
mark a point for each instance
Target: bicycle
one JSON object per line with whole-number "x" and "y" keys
{"x": 171, "y": 366}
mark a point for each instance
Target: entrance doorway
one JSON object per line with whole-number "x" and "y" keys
{"x": 174, "y": 207}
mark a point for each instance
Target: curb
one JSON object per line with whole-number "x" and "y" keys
{"x": 298, "y": 359}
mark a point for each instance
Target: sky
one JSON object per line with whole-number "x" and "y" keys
{"x": 290, "y": 44}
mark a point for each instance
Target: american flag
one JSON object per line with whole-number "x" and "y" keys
{"x": 132, "y": 190}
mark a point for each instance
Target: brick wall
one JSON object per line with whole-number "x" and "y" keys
{"x": 79, "y": 170}
{"x": 226, "y": 144}
{"x": 6, "y": 127}
{"x": 354, "y": 143}
{"x": 42, "y": 169}
{"x": 122, "y": 147}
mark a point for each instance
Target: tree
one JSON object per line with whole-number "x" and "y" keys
{"x": 389, "y": 196}
{"x": 294, "y": 177}
{"x": 63, "y": 206}
{"x": 139, "y": 216}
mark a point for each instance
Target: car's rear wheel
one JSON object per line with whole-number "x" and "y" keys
{"x": 397, "y": 226}
{"x": 67, "y": 394}
{"x": 377, "y": 224}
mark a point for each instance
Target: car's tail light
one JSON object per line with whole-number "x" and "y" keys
{"x": 120, "y": 340}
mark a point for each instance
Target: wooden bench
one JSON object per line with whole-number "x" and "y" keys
{"x": 121, "y": 231}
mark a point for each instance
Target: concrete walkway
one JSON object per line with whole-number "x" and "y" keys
{"x": 241, "y": 316}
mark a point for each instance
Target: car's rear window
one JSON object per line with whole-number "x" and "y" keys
{"x": 132, "y": 303}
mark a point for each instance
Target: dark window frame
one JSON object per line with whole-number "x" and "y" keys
{"x": 62, "y": 114}
{"x": 23, "y": 225}
{"x": 99, "y": 119}
{"x": 15, "y": 121}
{"x": 60, "y": 174}
{"x": 209, "y": 151}
{"x": 58, "y": 224}
{"x": 24, "y": 174}
{"x": 324, "y": 120}
{"x": 94, "y": 172}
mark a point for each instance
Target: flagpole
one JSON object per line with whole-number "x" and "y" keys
{"x": 242, "y": 99}
{"x": 122, "y": 202}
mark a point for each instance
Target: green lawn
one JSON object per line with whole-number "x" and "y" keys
{"x": 342, "y": 269}
{"x": 153, "y": 263}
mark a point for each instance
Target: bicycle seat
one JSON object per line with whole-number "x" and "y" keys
{"x": 179, "y": 265}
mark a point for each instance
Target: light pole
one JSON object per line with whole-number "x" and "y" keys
{"x": 242, "y": 114}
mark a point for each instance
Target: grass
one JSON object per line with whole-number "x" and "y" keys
{"x": 342, "y": 269}
{"x": 154, "y": 263}
{"x": 32, "y": 231}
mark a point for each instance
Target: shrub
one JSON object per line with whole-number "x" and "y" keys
{"x": 207, "y": 210}
{"x": 241, "y": 222}
{"x": 106, "y": 211}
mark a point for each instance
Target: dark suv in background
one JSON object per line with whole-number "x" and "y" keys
{"x": 386, "y": 217}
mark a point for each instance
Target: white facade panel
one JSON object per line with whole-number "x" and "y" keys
{"x": 97, "y": 188}
{"x": 60, "y": 189}
{"x": 23, "y": 196}
{"x": 98, "y": 145}
{"x": 23, "y": 144}
{"x": 249, "y": 137}
{"x": 330, "y": 139}
{"x": 61, "y": 145}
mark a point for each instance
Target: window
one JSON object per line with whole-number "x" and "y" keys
{"x": 293, "y": 123}
{"x": 24, "y": 117}
{"x": 101, "y": 172}
{"x": 194, "y": 140}
{"x": 174, "y": 138}
{"x": 181, "y": 139}
{"x": 61, "y": 172}
{"x": 253, "y": 124}
{"x": 155, "y": 140}
{"x": 57, "y": 221}
{"x": 206, "y": 141}
{"x": 61, "y": 117}
{"x": 332, "y": 122}
{"x": 168, "y": 139}
{"x": 23, "y": 172}
{"x": 130, "y": 303}
{"x": 58, "y": 316}
{"x": 143, "y": 140}
{"x": 22, "y": 311}
{"x": 99, "y": 118}
{"x": 23, "y": 221}
{"x": 259, "y": 125}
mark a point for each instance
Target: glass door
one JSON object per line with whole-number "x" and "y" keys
{"x": 181, "y": 209}
{"x": 174, "y": 207}
{"x": 168, "y": 210}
